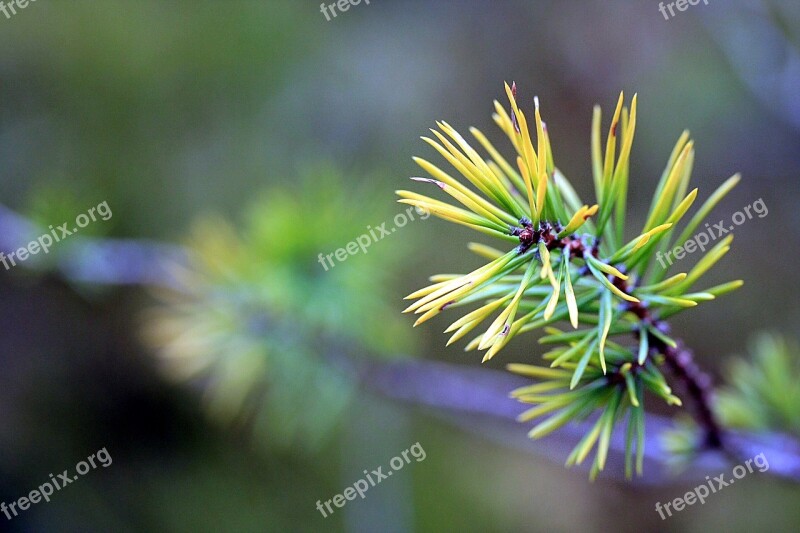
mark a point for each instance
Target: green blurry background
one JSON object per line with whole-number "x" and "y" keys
{"x": 173, "y": 110}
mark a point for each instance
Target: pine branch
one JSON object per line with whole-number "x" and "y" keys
{"x": 566, "y": 266}
{"x": 476, "y": 400}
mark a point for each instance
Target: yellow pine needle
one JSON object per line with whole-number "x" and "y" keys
{"x": 667, "y": 194}
{"x": 550, "y": 168}
{"x": 707, "y": 206}
{"x": 623, "y": 295}
{"x": 541, "y": 191}
{"x": 578, "y": 219}
{"x": 478, "y": 166}
{"x": 500, "y": 325}
{"x": 473, "y": 155}
{"x": 484, "y": 251}
{"x": 551, "y": 304}
{"x": 438, "y": 290}
{"x": 610, "y": 286}
{"x": 469, "y": 168}
{"x": 541, "y": 149}
{"x": 506, "y": 185}
{"x": 445, "y": 288}
{"x": 636, "y": 243}
{"x": 588, "y": 444}
{"x": 663, "y": 285}
{"x": 457, "y": 160}
{"x": 544, "y": 253}
{"x": 465, "y": 200}
{"x": 645, "y": 237}
{"x": 411, "y": 195}
{"x": 527, "y": 151}
{"x": 511, "y": 99}
{"x": 438, "y": 278}
{"x": 427, "y": 316}
{"x": 526, "y": 176}
{"x": 606, "y": 317}
{"x": 540, "y": 372}
{"x": 442, "y": 176}
{"x": 608, "y": 269}
{"x": 631, "y": 391}
{"x": 456, "y": 215}
{"x": 611, "y": 145}
{"x": 478, "y": 314}
{"x": 463, "y": 330}
{"x": 542, "y": 167}
{"x": 719, "y": 290}
{"x": 597, "y": 162}
{"x": 673, "y": 157}
{"x": 443, "y": 209}
{"x": 680, "y": 302}
{"x": 444, "y": 301}
{"x": 493, "y": 153}
{"x": 709, "y": 260}
{"x": 572, "y": 304}
{"x": 682, "y": 207}
{"x": 683, "y": 184}
{"x": 543, "y": 409}
{"x": 536, "y": 389}
{"x": 700, "y": 296}
{"x": 496, "y": 347}
{"x": 642, "y": 240}
{"x": 503, "y": 121}
{"x": 674, "y": 400}
{"x": 443, "y": 297}
{"x": 627, "y": 143}
{"x": 426, "y": 290}
{"x": 524, "y": 136}
{"x": 473, "y": 343}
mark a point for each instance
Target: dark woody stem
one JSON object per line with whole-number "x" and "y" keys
{"x": 698, "y": 386}
{"x": 694, "y": 382}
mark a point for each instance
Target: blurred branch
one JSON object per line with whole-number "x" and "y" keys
{"x": 474, "y": 399}
{"x": 477, "y": 400}
{"x": 91, "y": 259}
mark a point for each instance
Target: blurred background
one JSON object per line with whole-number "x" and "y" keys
{"x": 259, "y": 134}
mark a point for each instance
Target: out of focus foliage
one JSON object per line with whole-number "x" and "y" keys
{"x": 764, "y": 393}
{"x": 269, "y": 330}
{"x": 121, "y": 102}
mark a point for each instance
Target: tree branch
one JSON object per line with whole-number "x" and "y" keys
{"x": 475, "y": 399}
